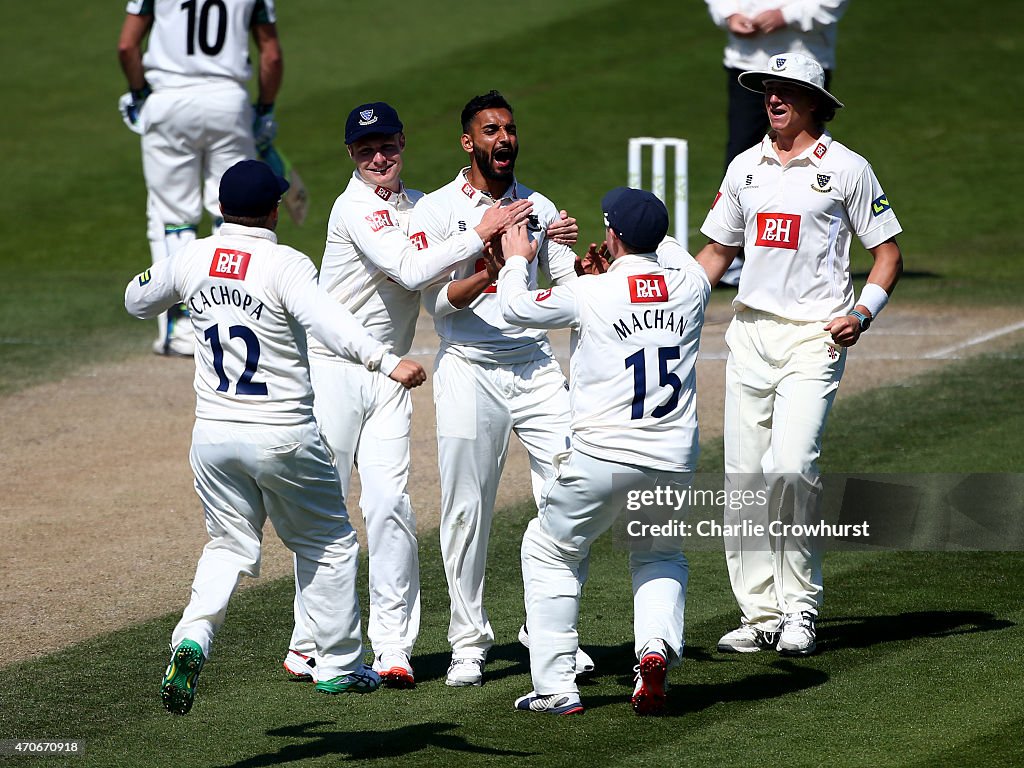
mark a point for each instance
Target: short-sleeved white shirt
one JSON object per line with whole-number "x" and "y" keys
{"x": 796, "y": 223}
{"x": 633, "y": 384}
{"x": 251, "y": 303}
{"x": 200, "y": 39}
{"x": 372, "y": 268}
{"x": 479, "y": 332}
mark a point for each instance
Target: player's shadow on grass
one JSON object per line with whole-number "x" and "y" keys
{"x": 781, "y": 678}
{"x": 839, "y": 632}
{"x": 366, "y": 745}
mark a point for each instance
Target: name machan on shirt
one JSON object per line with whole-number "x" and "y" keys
{"x": 648, "y": 289}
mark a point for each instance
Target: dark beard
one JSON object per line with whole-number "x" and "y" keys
{"x": 483, "y": 163}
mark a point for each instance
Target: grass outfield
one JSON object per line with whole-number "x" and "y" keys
{"x": 921, "y": 661}
{"x": 927, "y": 103}
{"x": 919, "y": 665}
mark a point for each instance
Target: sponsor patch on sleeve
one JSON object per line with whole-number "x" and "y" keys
{"x": 645, "y": 289}
{"x": 379, "y": 219}
{"x": 718, "y": 196}
{"x": 230, "y": 264}
{"x": 144, "y": 278}
{"x": 880, "y": 205}
{"x": 419, "y": 239}
{"x": 543, "y": 295}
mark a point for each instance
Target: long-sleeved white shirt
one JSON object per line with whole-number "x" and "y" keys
{"x": 252, "y": 302}
{"x": 372, "y": 269}
{"x": 633, "y": 383}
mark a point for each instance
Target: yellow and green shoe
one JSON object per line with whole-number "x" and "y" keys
{"x": 178, "y": 689}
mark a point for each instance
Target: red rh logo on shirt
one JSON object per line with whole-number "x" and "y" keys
{"x": 468, "y": 190}
{"x": 644, "y": 289}
{"x": 229, "y": 264}
{"x": 543, "y": 295}
{"x": 820, "y": 150}
{"x": 379, "y": 219}
{"x": 419, "y": 240}
{"x": 778, "y": 230}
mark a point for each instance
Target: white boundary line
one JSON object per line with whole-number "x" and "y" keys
{"x": 948, "y": 353}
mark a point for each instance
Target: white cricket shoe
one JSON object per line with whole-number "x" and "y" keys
{"x": 584, "y": 663}
{"x": 553, "y": 704}
{"x": 465, "y": 671}
{"x": 798, "y": 637}
{"x": 747, "y": 639}
{"x": 300, "y": 666}
{"x": 394, "y": 669}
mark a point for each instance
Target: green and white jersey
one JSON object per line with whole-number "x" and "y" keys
{"x": 205, "y": 40}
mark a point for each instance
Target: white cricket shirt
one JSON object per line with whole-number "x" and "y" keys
{"x": 372, "y": 268}
{"x": 194, "y": 40}
{"x": 633, "y": 382}
{"x": 810, "y": 29}
{"x": 251, "y": 303}
{"x": 796, "y": 222}
{"x": 478, "y": 332}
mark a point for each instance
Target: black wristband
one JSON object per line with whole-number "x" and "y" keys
{"x": 138, "y": 94}
{"x": 264, "y": 109}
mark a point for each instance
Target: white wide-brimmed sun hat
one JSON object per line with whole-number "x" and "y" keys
{"x": 789, "y": 68}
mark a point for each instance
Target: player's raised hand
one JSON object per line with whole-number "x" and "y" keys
{"x": 408, "y": 373}
{"x": 516, "y": 242}
{"x": 564, "y": 230}
{"x": 502, "y": 215}
{"x": 595, "y": 262}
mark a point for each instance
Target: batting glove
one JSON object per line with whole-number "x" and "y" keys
{"x": 264, "y": 126}
{"x": 130, "y": 106}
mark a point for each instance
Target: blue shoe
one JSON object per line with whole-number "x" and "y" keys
{"x": 178, "y": 689}
{"x": 553, "y": 704}
{"x": 363, "y": 680}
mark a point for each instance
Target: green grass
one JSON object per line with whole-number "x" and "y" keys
{"x": 929, "y": 104}
{"x": 919, "y": 662}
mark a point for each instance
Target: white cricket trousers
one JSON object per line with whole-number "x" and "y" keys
{"x": 191, "y": 135}
{"x": 781, "y": 379}
{"x": 478, "y": 406}
{"x": 580, "y": 503}
{"x": 245, "y": 473}
{"x": 366, "y": 419}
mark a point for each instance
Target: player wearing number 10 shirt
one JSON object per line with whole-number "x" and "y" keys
{"x": 634, "y": 428}
{"x": 256, "y": 449}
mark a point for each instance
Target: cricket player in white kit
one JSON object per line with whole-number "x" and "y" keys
{"x": 634, "y": 428}
{"x": 372, "y": 269}
{"x": 188, "y": 99}
{"x": 794, "y": 203}
{"x": 491, "y": 378}
{"x": 256, "y": 449}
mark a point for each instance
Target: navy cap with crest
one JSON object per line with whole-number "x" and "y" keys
{"x": 250, "y": 188}
{"x": 368, "y": 119}
{"x": 637, "y": 216}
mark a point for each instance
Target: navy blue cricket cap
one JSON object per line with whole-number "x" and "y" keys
{"x": 250, "y": 188}
{"x": 638, "y": 217}
{"x": 367, "y": 119}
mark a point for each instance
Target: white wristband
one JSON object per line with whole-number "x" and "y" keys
{"x": 874, "y": 297}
